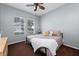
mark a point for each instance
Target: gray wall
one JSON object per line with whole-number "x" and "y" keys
{"x": 66, "y": 19}
{"x": 7, "y": 15}
{"x": 0, "y": 24}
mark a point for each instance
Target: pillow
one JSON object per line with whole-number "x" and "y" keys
{"x": 50, "y": 33}
{"x": 56, "y": 33}
{"x": 45, "y": 33}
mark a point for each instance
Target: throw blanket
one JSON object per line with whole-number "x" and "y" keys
{"x": 51, "y": 44}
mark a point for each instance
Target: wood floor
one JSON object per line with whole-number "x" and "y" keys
{"x": 23, "y": 49}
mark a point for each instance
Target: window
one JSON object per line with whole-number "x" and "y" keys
{"x": 30, "y": 27}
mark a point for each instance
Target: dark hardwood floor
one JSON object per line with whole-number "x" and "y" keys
{"x": 23, "y": 49}
{"x": 67, "y": 51}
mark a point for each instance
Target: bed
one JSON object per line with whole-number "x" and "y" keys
{"x": 46, "y": 44}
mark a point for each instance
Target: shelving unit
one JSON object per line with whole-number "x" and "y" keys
{"x": 19, "y": 26}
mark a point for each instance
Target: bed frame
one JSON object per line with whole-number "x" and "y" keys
{"x": 27, "y": 42}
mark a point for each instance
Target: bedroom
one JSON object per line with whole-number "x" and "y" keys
{"x": 61, "y": 17}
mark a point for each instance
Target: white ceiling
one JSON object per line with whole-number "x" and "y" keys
{"x": 48, "y": 7}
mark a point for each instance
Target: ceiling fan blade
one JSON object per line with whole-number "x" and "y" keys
{"x": 35, "y": 8}
{"x": 41, "y": 3}
{"x": 30, "y": 5}
{"x": 41, "y": 7}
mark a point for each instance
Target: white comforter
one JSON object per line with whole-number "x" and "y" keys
{"x": 51, "y": 44}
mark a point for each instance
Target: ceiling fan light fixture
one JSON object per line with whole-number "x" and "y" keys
{"x": 35, "y": 8}
{"x": 36, "y": 5}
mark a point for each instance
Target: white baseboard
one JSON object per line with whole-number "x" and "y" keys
{"x": 16, "y": 42}
{"x": 71, "y": 46}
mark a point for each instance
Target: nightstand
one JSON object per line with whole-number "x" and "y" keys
{"x": 27, "y": 41}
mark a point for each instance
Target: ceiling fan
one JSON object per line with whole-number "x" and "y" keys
{"x": 36, "y": 5}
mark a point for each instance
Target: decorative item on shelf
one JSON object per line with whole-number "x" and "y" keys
{"x": 18, "y": 32}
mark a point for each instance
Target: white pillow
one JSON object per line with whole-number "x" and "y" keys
{"x": 50, "y": 33}
{"x": 54, "y": 32}
{"x": 57, "y": 33}
{"x": 45, "y": 33}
